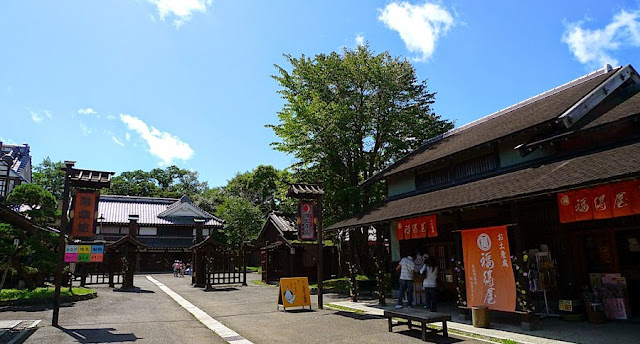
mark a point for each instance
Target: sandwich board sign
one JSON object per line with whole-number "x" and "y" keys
{"x": 294, "y": 292}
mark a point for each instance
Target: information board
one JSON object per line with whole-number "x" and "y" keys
{"x": 294, "y": 292}
{"x": 83, "y": 253}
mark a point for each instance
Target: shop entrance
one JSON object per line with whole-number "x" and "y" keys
{"x": 613, "y": 254}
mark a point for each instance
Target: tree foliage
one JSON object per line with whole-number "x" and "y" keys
{"x": 242, "y": 219}
{"x": 171, "y": 182}
{"x": 265, "y": 187}
{"x": 347, "y": 116}
{"x": 50, "y": 176}
{"x": 41, "y": 204}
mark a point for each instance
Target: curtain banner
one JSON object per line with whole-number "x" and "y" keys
{"x": 488, "y": 272}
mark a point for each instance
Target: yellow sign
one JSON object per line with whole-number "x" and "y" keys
{"x": 294, "y": 292}
{"x": 84, "y": 249}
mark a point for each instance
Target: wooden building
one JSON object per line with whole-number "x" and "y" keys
{"x": 15, "y": 167}
{"x": 284, "y": 255}
{"x": 514, "y": 168}
{"x": 166, "y": 227}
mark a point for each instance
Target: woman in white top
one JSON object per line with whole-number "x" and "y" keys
{"x": 430, "y": 284}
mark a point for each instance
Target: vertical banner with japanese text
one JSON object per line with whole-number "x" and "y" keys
{"x": 488, "y": 272}
{"x": 307, "y": 228}
{"x": 85, "y": 206}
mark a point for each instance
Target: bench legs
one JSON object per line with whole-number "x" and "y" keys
{"x": 424, "y": 331}
{"x": 390, "y": 324}
{"x": 444, "y": 329}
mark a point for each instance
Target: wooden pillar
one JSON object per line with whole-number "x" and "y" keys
{"x": 200, "y": 268}
{"x": 64, "y": 222}
{"x": 110, "y": 266}
{"x": 320, "y": 249}
{"x": 380, "y": 261}
{"x": 352, "y": 266}
{"x": 195, "y": 260}
{"x": 130, "y": 254}
{"x": 244, "y": 266}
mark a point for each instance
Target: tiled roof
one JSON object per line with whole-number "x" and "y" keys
{"x": 90, "y": 178}
{"x": 116, "y": 210}
{"x": 285, "y": 223}
{"x": 589, "y": 169}
{"x": 305, "y": 190}
{"x": 529, "y": 113}
{"x": 18, "y": 157}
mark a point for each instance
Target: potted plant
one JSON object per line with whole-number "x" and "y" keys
{"x": 594, "y": 305}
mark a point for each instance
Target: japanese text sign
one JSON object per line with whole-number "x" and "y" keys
{"x": 307, "y": 229}
{"x": 600, "y": 202}
{"x": 419, "y": 227}
{"x": 83, "y": 253}
{"x": 488, "y": 272}
{"x": 294, "y": 292}
{"x": 83, "y": 224}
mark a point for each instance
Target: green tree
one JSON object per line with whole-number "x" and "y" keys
{"x": 265, "y": 187}
{"x": 50, "y": 176}
{"x": 347, "y": 116}
{"x": 172, "y": 182}
{"x": 41, "y": 204}
{"x": 134, "y": 183}
{"x": 243, "y": 220}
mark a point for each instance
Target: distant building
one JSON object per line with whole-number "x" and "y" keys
{"x": 166, "y": 227}
{"x": 15, "y": 167}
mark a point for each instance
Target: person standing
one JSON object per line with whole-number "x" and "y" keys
{"x": 406, "y": 267}
{"x": 418, "y": 278}
{"x": 430, "y": 283}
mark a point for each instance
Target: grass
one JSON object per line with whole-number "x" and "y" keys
{"x": 40, "y": 294}
{"x": 346, "y": 309}
{"x": 261, "y": 283}
{"x": 257, "y": 269}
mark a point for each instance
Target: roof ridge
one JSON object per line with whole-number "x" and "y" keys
{"x": 133, "y": 198}
{"x": 528, "y": 101}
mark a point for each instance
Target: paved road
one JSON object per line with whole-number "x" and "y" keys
{"x": 152, "y": 316}
{"x": 252, "y": 312}
{"x": 146, "y": 317}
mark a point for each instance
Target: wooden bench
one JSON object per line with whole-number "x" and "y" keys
{"x": 418, "y": 315}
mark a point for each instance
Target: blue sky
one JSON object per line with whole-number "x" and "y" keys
{"x": 121, "y": 85}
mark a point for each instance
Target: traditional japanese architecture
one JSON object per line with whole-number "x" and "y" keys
{"x": 166, "y": 227}
{"x": 15, "y": 167}
{"x": 557, "y": 172}
{"x": 283, "y": 254}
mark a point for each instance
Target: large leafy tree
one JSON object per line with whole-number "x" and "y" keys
{"x": 50, "y": 176}
{"x": 265, "y": 187}
{"x": 349, "y": 115}
{"x": 240, "y": 217}
{"x": 40, "y": 204}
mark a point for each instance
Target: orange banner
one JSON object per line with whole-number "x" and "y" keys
{"x": 416, "y": 228}
{"x": 488, "y": 271}
{"x": 83, "y": 223}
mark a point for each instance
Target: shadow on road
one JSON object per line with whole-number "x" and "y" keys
{"x": 33, "y": 308}
{"x": 431, "y": 337}
{"x": 358, "y": 316}
{"x": 98, "y": 335}
{"x": 214, "y": 289}
{"x": 135, "y": 290}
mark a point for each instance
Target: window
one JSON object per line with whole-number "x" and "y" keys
{"x": 456, "y": 173}
{"x": 148, "y": 231}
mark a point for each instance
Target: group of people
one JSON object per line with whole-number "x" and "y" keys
{"x": 180, "y": 268}
{"x": 423, "y": 272}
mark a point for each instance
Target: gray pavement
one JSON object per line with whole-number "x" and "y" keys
{"x": 116, "y": 317}
{"x": 252, "y": 312}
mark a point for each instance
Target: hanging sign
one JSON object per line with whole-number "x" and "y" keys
{"x": 415, "y": 228}
{"x": 85, "y": 206}
{"x": 488, "y": 272}
{"x": 600, "y": 202}
{"x": 294, "y": 292}
{"x": 306, "y": 221}
{"x": 83, "y": 253}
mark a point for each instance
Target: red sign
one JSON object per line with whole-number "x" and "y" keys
{"x": 416, "y": 228}
{"x": 488, "y": 271}
{"x": 83, "y": 223}
{"x": 600, "y": 202}
{"x": 307, "y": 228}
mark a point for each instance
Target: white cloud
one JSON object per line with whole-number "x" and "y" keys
{"x": 47, "y": 113}
{"x": 127, "y": 136}
{"x": 359, "y": 39}
{"x": 181, "y": 10}
{"x": 87, "y": 111}
{"x": 594, "y": 47}
{"x": 117, "y": 141}
{"x": 162, "y": 144}
{"x": 37, "y": 118}
{"x": 111, "y": 117}
{"x": 419, "y": 26}
{"x": 85, "y": 130}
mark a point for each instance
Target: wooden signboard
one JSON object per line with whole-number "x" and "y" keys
{"x": 294, "y": 292}
{"x": 83, "y": 253}
{"x": 85, "y": 207}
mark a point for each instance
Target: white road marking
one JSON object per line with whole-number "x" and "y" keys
{"x": 226, "y": 333}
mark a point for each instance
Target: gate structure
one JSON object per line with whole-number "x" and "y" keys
{"x": 218, "y": 264}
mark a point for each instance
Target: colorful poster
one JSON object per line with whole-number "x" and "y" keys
{"x": 83, "y": 222}
{"x": 488, "y": 272}
{"x": 294, "y": 292}
{"x": 307, "y": 228}
{"x": 83, "y": 253}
